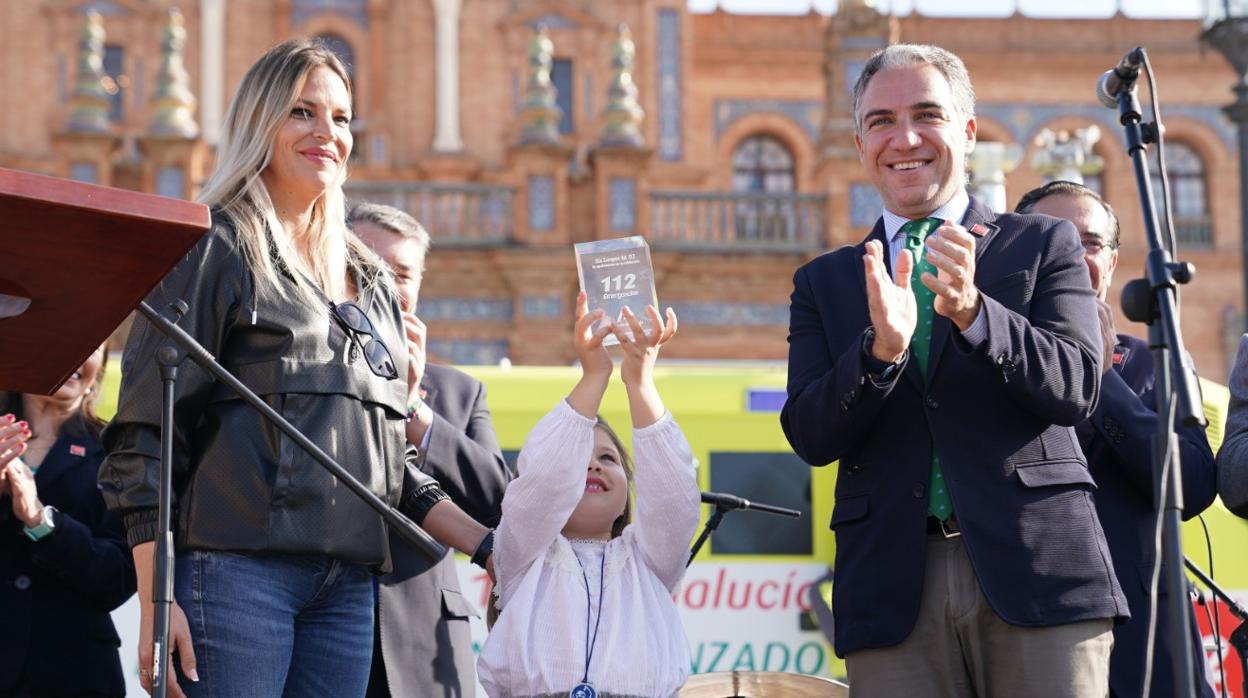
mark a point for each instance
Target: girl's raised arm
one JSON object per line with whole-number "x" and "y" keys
{"x": 551, "y": 467}
{"x": 667, "y": 485}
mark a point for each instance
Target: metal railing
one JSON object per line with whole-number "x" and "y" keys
{"x": 737, "y": 221}
{"x": 454, "y": 214}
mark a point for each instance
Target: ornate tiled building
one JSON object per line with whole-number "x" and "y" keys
{"x": 514, "y": 128}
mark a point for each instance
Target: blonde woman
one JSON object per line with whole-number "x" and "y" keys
{"x": 273, "y": 584}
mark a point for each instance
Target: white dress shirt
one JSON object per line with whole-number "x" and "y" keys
{"x": 954, "y": 210}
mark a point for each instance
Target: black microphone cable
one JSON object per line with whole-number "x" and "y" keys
{"x": 1215, "y": 622}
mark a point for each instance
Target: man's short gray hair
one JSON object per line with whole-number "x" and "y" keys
{"x": 392, "y": 219}
{"x": 902, "y": 55}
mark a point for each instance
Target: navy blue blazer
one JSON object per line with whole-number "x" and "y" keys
{"x": 1001, "y": 416}
{"x": 1117, "y": 440}
{"x": 424, "y": 643}
{"x": 56, "y": 594}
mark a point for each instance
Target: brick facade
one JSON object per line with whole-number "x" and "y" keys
{"x": 707, "y": 82}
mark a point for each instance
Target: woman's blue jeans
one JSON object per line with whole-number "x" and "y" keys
{"x": 273, "y": 625}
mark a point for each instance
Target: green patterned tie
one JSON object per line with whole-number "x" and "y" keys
{"x": 938, "y": 503}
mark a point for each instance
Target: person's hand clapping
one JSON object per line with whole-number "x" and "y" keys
{"x": 951, "y": 249}
{"x": 13, "y": 438}
{"x": 890, "y": 302}
{"x": 21, "y": 486}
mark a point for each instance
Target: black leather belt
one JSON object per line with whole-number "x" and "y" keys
{"x": 945, "y": 529}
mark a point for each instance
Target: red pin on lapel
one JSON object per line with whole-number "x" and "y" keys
{"x": 979, "y": 230}
{"x": 76, "y": 450}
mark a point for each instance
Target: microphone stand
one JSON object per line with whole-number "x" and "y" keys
{"x": 1239, "y": 638}
{"x": 1152, "y": 301}
{"x": 725, "y": 503}
{"x": 170, "y": 356}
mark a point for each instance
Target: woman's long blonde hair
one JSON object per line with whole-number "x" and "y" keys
{"x": 235, "y": 190}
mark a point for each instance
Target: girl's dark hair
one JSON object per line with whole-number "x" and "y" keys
{"x": 83, "y": 423}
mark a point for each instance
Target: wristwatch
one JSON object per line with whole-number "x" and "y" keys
{"x": 47, "y": 525}
{"x": 880, "y": 373}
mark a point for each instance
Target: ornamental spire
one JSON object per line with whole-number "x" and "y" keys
{"x": 89, "y": 104}
{"x": 540, "y": 114}
{"x": 622, "y": 117}
{"x": 173, "y": 105}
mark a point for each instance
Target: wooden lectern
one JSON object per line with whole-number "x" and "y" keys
{"x": 82, "y": 256}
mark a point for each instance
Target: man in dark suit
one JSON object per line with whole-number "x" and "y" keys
{"x": 1117, "y": 441}
{"x": 422, "y": 645}
{"x": 969, "y": 559}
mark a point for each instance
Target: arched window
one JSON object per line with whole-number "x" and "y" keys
{"x": 1189, "y": 198}
{"x": 762, "y": 164}
{"x": 763, "y": 183}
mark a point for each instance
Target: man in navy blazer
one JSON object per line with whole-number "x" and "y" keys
{"x": 969, "y": 560}
{"x": 1117, "y": 440}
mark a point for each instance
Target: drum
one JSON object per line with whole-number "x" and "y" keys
{"x": 761, "y": 684}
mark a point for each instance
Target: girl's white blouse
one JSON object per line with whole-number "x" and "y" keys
{"x": 538, "y": 644}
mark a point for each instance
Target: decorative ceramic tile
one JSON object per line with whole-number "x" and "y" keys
{"x": 622, "y": 204}
{"x": 467, "y": 352}
{"x": 1025, "y": 120}
{"x": 83, "y": 172}
{"x": 807, "y": 113}
{"x": 543, "y": 307}
{"x": 752, "y": 314}
{"x": 171, "y": 181}
{"x": 465, "y": 309}
{"x": 356, "y": 10}
{"x": 671, "y": 146}
{"x": 553, "y": 21}
{"x": 541, "y": 203}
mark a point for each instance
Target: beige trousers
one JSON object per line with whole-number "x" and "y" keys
{"x": 959, "y": 648}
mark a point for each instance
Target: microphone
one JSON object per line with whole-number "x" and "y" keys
{"x": 731, "y": 502}
{"x": 1121, "y": 78}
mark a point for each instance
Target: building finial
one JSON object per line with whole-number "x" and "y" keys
{"x": 988, "y": 165}
{"x": 1061, "y": 155}
{"x": 540, "y": 114}
{"x": 89, "y": 104}
{"x": 622, "y": 117}
{"x": 173, "y": 105}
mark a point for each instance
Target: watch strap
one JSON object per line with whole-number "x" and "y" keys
{"x": 46, "y": 526}
{"x": 879, "y": 373}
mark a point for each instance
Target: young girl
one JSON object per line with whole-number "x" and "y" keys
{"x": 585, "y": 595}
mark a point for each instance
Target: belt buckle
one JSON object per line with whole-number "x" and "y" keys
{"x": 947, "y": 528}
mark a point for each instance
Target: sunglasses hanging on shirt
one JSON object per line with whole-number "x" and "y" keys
{"x": 353, "y": 318}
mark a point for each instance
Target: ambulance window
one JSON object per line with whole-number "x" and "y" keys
{"x": 780, "y": 479}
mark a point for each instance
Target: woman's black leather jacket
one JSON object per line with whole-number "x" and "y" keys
{"x": 238, "y": 483}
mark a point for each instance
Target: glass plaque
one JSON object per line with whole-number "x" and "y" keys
{"x": 614, "y": 274}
